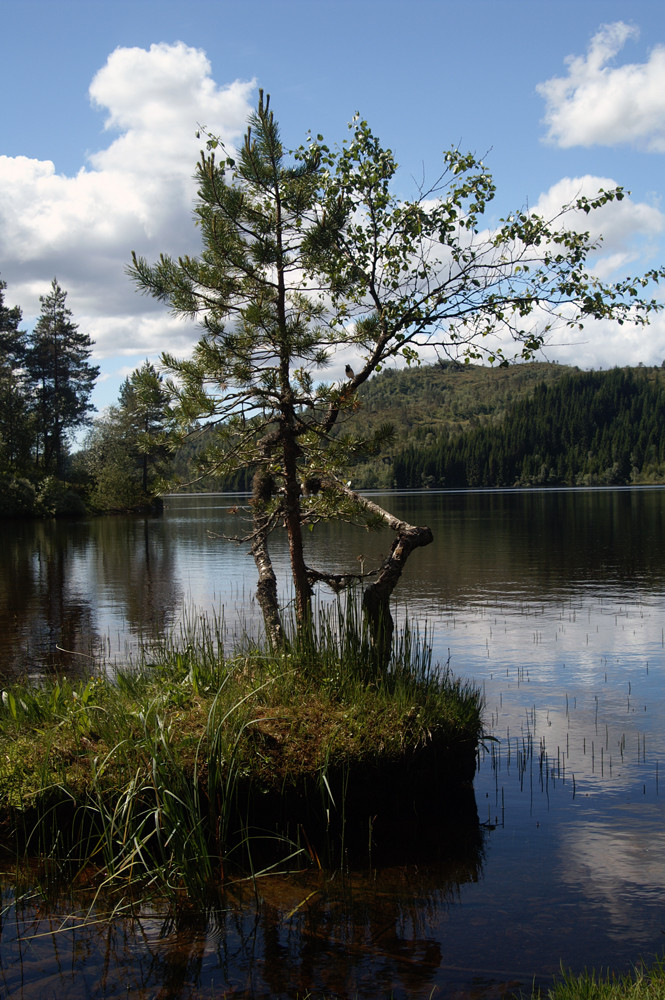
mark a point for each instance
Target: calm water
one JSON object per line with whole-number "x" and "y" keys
{"x": 554, "y": 602}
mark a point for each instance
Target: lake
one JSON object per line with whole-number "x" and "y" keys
{"x": 552, "y": 601}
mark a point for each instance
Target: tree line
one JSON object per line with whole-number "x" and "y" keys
{"x": 458, "y": 427}
{"x": 46, "y": 379}
{"x": 466, "y": 427}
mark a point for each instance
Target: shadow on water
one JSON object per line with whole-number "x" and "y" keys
{"x": 348, "y": 933}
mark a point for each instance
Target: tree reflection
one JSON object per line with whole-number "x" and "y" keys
{"x": 371, "y": 933}
{"x": 133, "y": 564}
{"x": 335, "y": 933}
{"x": 65, "y": 585}
{"x": 47, "y": 618}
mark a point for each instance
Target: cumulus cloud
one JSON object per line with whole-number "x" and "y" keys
{"x": 154, "y": 99}
{"x": 626, "y": 228}
{"x": 621, "y": 866}
{"x": 601, "y": 104}
{"x": 628, "y": 232}
{"x": 136, "y": 193}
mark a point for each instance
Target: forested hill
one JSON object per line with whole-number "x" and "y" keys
{"x": 583, "y": 428}
{"x": 536, "y": 424}
{"x": 422, "y": 403}
{"x": 451, "y": 395}
{"x": 427, "y": 404}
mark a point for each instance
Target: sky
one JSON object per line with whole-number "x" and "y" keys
{"x": 102, "y": 99}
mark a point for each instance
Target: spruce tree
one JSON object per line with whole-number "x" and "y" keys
{"x": 61, "y": 379}
{"x": 128, "y": 453}
{"x": 147, "y": 424}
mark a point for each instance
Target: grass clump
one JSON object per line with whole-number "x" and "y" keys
{"x": 182, "y": 768}
{"x": 644, "y": 983}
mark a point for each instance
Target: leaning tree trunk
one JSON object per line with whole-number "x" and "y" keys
{"x": 266, "y": 593}
{"x": 376, "y": 598}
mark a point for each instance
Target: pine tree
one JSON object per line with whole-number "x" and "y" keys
{"x": 61, "y": 379}
{"x": 266, "y": 334}
{"x": 313, "y": 254}
{"x": 147, "y": 423}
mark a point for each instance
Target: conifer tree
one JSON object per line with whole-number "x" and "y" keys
{"x": 127, "y": 454}
{"x": 61, "y": 378}
{"x": 15, "y": 423}
{"x": 266, "y": 333}
{"x": 147, "y": 424}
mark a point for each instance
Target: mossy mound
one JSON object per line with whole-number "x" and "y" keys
{"x": 198, "y": 757}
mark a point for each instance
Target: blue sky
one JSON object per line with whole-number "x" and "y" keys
{"x": 101, "y": 99}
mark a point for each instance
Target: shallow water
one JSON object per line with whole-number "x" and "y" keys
{"x": 555, "y": 604}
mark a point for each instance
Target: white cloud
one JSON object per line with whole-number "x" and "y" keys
{"x": 604, "y": 344}
{"x": 146, "y": 334}
{"x": 137, "y": 193}
{"x": 598, "y": 104}
{"x": 628, "y": 231}
{"x": 628, "y": 228}
{"x": 155, "y": 98}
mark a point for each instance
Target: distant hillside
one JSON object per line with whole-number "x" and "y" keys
{"x": 427, "y": 402}
{"x": 586, "y": 428}
{"x": 465, "y": 426}
{"x": 452, "y": 394}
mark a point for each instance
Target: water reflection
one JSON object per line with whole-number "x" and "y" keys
{"x": 342, "y": 934}
{"x": 540, "y": 544}
{"x": 553, "y": 602}
{"x": 132, "y": 568}
{"x": 77, "y": 593}
{"x": 100, "y": 587}
{"x": 45, "y": 605}
{"x": 622, "y": 863}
